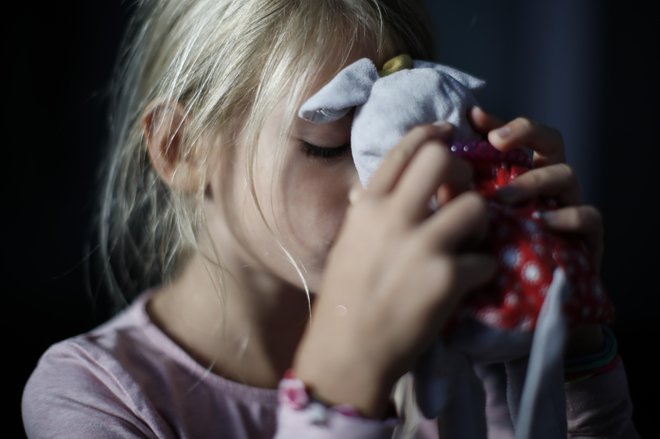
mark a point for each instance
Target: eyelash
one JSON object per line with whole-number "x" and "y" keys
{"x": 324, "y": 153}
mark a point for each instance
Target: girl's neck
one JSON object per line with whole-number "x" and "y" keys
{"x": 246, "y": 330}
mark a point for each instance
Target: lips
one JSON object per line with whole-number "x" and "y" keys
{"x": 527, "y": 252}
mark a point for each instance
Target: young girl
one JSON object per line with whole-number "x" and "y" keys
{"x": 255, "y": 260}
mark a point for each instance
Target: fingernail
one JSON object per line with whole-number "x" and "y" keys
{"x": 508, "y": 194}
{"x": 503, "y": 133}
{"x": 443, "y": 127}
{"x": 433, "y": 204}
{"x": 549, "y": 217}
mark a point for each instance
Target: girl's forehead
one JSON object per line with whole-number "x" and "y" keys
{"x": 337, "y": 61}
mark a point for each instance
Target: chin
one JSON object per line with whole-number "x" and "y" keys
{"x": 312, "y": 269}
{"x": 313, "y": 278}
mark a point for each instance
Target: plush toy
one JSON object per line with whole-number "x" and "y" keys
{"x": 545, "y": 284}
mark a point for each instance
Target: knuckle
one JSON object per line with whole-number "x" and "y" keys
{"x": 536, "y": 178}
{"x": 423, "y": 131}
{"x": 444, "y": 159}
{"x": 474, "y": 209}
{"x": 524, "y": 123}
{"x": 396, "y": 158}
{"x": 480, "y": 203}
{"x": 561, "y": 173}
{"x": 567, "y": 171}
{"x": 592, "y": 215}
{"x": 476, "y": 202}
{"x": 400, "y": 155}
{"x": 448, "y": 273}
{"x": 363, "y": 207}
{"x": 557, "y": 134}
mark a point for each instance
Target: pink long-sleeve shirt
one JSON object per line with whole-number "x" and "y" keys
{"x": 128, "y": 379}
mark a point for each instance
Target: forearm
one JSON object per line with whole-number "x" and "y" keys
{"x": 600, "y": 406}
{"x": 598, "y": 400}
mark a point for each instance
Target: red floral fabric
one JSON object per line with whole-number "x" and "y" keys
{"x": 528, "y": 252}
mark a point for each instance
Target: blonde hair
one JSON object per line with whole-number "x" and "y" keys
{"x": 226, "y": 63}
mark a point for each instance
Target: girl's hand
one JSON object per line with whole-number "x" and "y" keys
{"x": 395, "y": 274}
{"x": 552, "y": 177}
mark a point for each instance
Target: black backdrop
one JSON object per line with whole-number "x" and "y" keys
{"x": 584, "y": 67}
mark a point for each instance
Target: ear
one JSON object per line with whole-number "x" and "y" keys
{"x": 467, "y": 80}
{"x": 350, "y": 88}
{"x": 164, "y": 124}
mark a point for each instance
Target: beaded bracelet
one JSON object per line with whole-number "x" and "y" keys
{"x": 584, "y": 367}
{"x": 297, "y": 395}
{"x": 294, "y": 393}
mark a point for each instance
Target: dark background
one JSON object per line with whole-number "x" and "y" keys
{"x": 583, "y": 67}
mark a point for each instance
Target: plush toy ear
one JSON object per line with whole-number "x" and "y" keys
{"x": 350, "y": 88}
{"x": 469, "y": 81}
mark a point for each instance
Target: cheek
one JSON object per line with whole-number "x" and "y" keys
{"x": 311, "y": 206}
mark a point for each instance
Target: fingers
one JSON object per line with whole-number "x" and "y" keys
{"x": 461, "y": 275}
{"x": 474, "y": 270}
{"x": 457, "y": 225}
{"x": 483, "y": 122}
{"x": 396, "y": 161}
{"x": 432, "y": 166}
{"x": 558, "y": 181}
{"x": 585, "y": 221}
{"x": 546, "y": 142}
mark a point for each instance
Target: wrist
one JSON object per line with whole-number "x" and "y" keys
{"x": 584, "y": 340}
{"x": 297, "y": 395}
{"x": 346, "y": 383}
{"x": 581, "y": 367}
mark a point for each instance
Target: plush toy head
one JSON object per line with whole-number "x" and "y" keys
{"x": 546, "y": 281}
{"x": 383, "y": 110}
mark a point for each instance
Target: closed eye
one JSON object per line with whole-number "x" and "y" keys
{"x": 324, "y": 152}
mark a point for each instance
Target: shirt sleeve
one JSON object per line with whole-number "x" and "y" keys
{"x": 70, "y": 395}
{"x": 600, "y": 406}
{"x": 293, "y": 424}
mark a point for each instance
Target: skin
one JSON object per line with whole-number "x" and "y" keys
{"x": 359, "y": 255}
